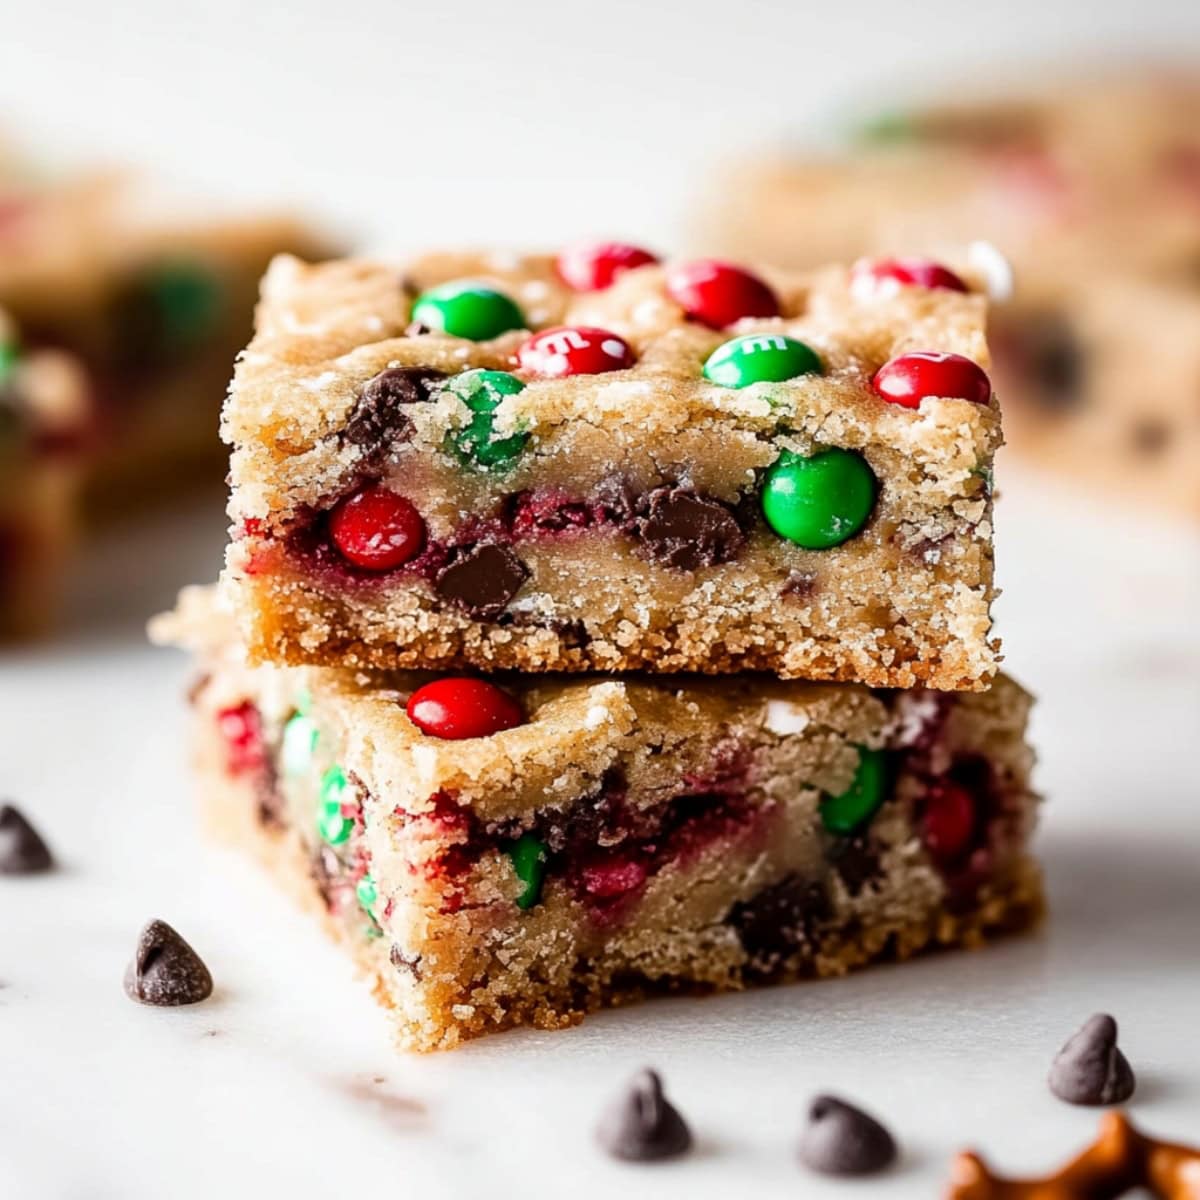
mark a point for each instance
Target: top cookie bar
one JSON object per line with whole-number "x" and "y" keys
{"x": 597, "y": 462}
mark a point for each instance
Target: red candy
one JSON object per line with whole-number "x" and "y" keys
{"x": 948, "y": 820}
{"x": 868, "y": 276}
{"x": 462, "y": 708}
{"x": 377, "y": 530}
{"x": 574, "y": 350}
{"x": 612, "y": 876}
{"x": 907, "y": 380}
{"x": 241, "y": 729}
{"x": 717, "y": 293}
{"x": 593, "y": 266}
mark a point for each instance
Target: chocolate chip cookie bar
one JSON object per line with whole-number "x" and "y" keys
{"x": 523, "y": 850}
{"x": 1091, "y": 191}
{"x": 45, "y": 424}
{"x": 154, "y": 298}
{"x": 599, "y": 462}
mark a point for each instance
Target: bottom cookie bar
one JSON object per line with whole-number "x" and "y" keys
{"x": 593, "y": 841}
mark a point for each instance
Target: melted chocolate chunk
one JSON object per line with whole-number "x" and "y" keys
{"x": 856, "y": 860}
{"x": 840, "y": 1139}
{"x": 780, "y": 919}
{"x": 1090, "y": 1069}
{"x": 165, "y": 970}
{"x": 22, "y": 850}
{"x": 679, "y": 528}
{"x": 642, "y": 1125}
{"x": 379, "y": 419}
{"x": 616, "y": 499}
{"x": 482, "y": 579}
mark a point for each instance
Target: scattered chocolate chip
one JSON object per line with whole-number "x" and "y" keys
{"x": 680, "y": 528}
{"x": 1090, "y": 1068}
{"x": 378, "y": 419}
{"x": 1150, "y": 436}
{"x": 780, "y": 919}
{"x": 482, "y": 579}
{"x": 165, "y": 970}
{"x": 840, "y": 1139}
{"x": 22, "y": 851}
{"x": 642, "y": 1125}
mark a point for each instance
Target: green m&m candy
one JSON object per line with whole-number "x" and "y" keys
{"x": 332, "y": 823}
{"x": 8, "y": 360}
{"x": 820, "y": 501}
{"x": 467, "y": 310}
{"x": 299, "y": 742}
{"x": 849, "y": 812}
{"x": 760, "y": 358}
{"x": 367, "y": 894}
{"x": 169, "y": 307}
{"x": 482, "y": 391}
{"x": 528, "y": 855}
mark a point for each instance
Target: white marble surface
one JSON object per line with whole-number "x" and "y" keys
{"x": 285, "y": 1083}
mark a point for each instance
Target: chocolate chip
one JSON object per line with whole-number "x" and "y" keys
{"x": 616, "y": 499}
{"x": 679, "y": 528}
{"x": 482, "y": 579}
{"x": 840, "y": 1139}
{"x": 165, "y": 970}
{"x": 378, "y": 419}
{"x": 779, "y": 920}
{"x": 642, "y": 1125}
{"x": 22, "y": 851}
{"x": 856, "y": 860}
{"x": 1090, "y": 1068}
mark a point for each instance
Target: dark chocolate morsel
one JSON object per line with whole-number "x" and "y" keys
{"x": 856, "y": 860}
{"x": 483, "y": 579}
{"x": 22, "y": 851}
{"x": 1090, "y": 1068}
{"x": 781, "y": 918}
{"x": 378, "y": 419}
{"x": 165, "y": 970}
{"x": 642, "y": 1125}
{"x": 679, "y": 528}
{"x": 840, "y": 1139}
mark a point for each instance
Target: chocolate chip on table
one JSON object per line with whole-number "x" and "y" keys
{"x": 642, "y": 1125}
{"x": 482, "y": 579}
{"x": 840, "y": 1139}
{"x": 378, "y": 418}
{"x": 165, "y": 970}
{"x": 1090, "y": 1068}
{"x": 681, "y": 528}
{"x": 22, "y": 850}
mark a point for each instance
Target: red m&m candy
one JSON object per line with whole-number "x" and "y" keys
{"x": 948, "y": 820}
{"x": 574, "y": 350}
{"x": 883, "y": 275}
{"x": 717, "y": 293}
{"x": 593, "y": 266}
{"x": 376, "y": 529}
{"x": 462, "y": 708}
{"x": 908, "y": 379}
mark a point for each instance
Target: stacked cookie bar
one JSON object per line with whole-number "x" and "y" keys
{"x": 592, "y": 627}
{"x": 122, "y": 312}
{"x": 1091, "y": 189}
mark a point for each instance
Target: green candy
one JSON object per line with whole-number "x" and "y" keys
{"x": 299, "y": 741}
{"x": 482, "y": 391}
{"x": 185, "y": 302}
{"x": 528, "y": 855}
{"x": 821, "y": 501}
{"x": 849, "y": 812}
{"x": 8, "y": 360}
{"x": 332, "y": 824}
{"x": 760, "y": 358}
{"x": 367, "y": 894}
{"x": 885, "y": 129}
{"x": 467, "y": 310}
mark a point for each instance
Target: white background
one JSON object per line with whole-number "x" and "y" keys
{"x": 522, "y": 124}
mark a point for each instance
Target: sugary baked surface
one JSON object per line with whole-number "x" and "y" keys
{"x": 1090, "y": 188}
{"x": 903, "y": 601}
{"x": 690, "y": 833}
